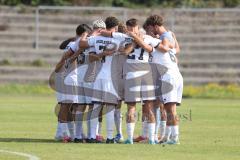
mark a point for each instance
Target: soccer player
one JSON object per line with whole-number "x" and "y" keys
{"x": 117, "y": 70}
{"x": 172, "y": 76}
{"x": 103, "y": 81}
{"x": 139, "y": 84}
{"x": 104, "y": 89}
{"x": 68, "y": 83}
{"x": 119, "y": 60}
{"x": 86, "y": 76}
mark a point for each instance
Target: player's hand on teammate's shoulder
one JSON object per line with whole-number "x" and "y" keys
{"x": 108, "y": 52}
{"x": 131, "y": 34}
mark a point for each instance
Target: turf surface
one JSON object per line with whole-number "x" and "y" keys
{"x": 210, "y": 131}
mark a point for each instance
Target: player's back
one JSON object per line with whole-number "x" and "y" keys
{"x": 101, "y": 43}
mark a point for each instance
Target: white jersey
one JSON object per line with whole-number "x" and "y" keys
{"x": 167, "y": 59}
{"x": 68, "y": 66}
{"x": 100, "y": 43}
{"x": 69, "y": 76}
{"x": 139, "y": 55}
{"x": 172, "y": 76}
{"x": 81, "y": 70}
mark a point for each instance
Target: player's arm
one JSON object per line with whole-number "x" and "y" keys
{"x": 166, "y": 45}
{"x": 127, "y": 49}
{"x": 162, "y": 48}
{"x": 177, "y": 47}
{"x": 148, "y": 48}
{"x": 65, "y": 56}
{"x": 74, "y": 56}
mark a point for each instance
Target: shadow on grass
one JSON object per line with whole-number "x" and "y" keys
{"x": 28, "y": 140}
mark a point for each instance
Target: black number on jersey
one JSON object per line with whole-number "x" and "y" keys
{"x": 81, "y": 58}
{"x": 133, "y": 56}
{"x": 173, "y": 58}
{"x": 103, "y": 59}
{"x": 141, "y": 54}
{"x": 150, "y": 58}
{"x": 102, "y": 47}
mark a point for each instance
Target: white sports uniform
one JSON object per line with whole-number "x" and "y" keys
{"x": 64, "y": 93}
{"x": 119, "y": 60}
{"x": 172, "y": 75}
{"x": 139, "y": 84}
{"x": 104, "y": 88}
{"x": 70, "y": 81}
{"x": 85, "y": 87}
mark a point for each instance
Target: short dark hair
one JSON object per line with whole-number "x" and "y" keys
{"x": 82, "y": 28}
{"x": 122, "y": 28}
{"x": 132, "y": 22}
{"x": 145, "y": 26}
{"x": 154, "y": 20}
{"x": 111, "y": 22}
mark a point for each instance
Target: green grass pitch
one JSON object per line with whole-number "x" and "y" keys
{"x": 212, "y": 132}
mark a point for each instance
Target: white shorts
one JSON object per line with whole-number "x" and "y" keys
{"x": 175, "y": 93}
{"x": 138, "y": 85}
{"x": 71, "y": 89}
{"x": 85, "y": 95}
{"x": 59, "y": 86}
{"x": 104, "y": 92}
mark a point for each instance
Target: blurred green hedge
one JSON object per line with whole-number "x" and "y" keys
{"x": 213, "y": 90}
{"x": 130, "y": 3}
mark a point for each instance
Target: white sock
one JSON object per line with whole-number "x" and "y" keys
{"x": 79, "y": 124}
{"x": 89, "y": 124}
{"x": 118, "y": 120}
{"x": 99, "y": 128}
{"x": 110, "y": 120}
{"x": 130, "y": 130}
{"x": 162, "y": 128}
{"x": 71, "y": 129}
{"x": 144, "y": 129}
{"x": 151, "y": 131}
{"x": 175, "y": 132}
{"x": 94, "y": 120}
{"x": 65, "y": 131}
{"x": 158, "y": 117}
{"x": 168, "y": 132}
{"x": 58, "y": 131}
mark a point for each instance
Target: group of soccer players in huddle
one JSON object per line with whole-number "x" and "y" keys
{"x": 114, "y": 62}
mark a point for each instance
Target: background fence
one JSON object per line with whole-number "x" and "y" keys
{"x": 29, "y": 39}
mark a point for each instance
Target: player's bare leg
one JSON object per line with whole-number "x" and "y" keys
{"x": 172, "y": 128}
{"x": 158, "y": 119}
{"x": 79, "y": 114}
{"x": 118, "y": 122}
{"x": 110, "y": 122}
{"x": 99, "y": 136}
{"x": 163, "y": 121}
{"x": 151, "y": 121}
{"x": 94, "y": 121}
{"x": 64, "y": 119}
{"x": 71, "y": 119}
{"x": 130, "y": 122}
{"x": 89, "y": 112}
{"x": 58, "y": 135}
{"x": 144, "y": 135}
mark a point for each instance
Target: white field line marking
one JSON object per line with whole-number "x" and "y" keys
{"x": 31, "y": 157}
